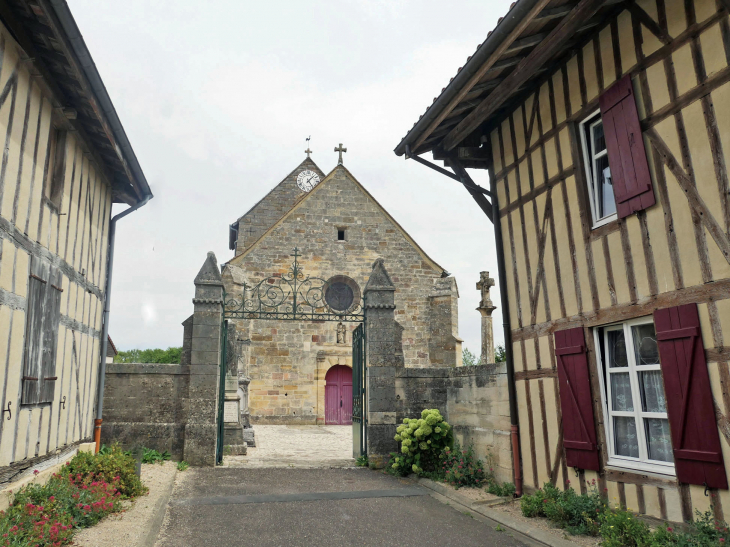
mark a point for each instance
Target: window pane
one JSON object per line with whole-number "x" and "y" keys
{"x": 645, "y": 346}
{"x": 658, "y": 439}
{"x": 599, "y": 140}
{"x": 624, "y": 432}
{"x": 604, "y": 188}
{"x": 617, "y": 349}
{"x": 652, "y": 391}
{"x": 621, "y": 392}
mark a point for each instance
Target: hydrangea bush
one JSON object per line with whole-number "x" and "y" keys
{"x": 421, "y": 442}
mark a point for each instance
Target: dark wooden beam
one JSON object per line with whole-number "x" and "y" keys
{"x": 525, "y": 70}
{"x": 509, "y": 61}
{"x": 646, "y": 20}
{"x": 480, "y": 198}
{"x": 555, "y": 13}
{"x": 484, "y": 86}
{"x": 527, "y": 41}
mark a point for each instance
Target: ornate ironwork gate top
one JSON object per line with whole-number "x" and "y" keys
{"x": 294, "y": 296}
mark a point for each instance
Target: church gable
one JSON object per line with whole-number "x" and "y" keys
{"x": 342, "y": 211}
{"x": 340, "y": 206}
{"x": 270, "y": 209}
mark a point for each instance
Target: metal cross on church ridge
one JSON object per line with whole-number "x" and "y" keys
{"x": 340, "y": 149}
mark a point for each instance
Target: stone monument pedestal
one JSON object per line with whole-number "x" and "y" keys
{"x": 233, "y": 442}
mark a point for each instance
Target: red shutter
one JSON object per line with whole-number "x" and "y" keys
{"x": 626, "y": 153}
{"x": 579, "y": 430}
{"x": 695, "y": 438}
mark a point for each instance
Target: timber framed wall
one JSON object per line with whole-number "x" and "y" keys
{"x": 72, "y": 238}
{"x": 563, "y": 274}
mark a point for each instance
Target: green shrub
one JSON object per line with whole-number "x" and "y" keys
{"x": 578, "y": 514}
{"x": 362, "y": 461}
{"x": 150, "y": 455}
{"x": 504, "y": 490}
{"x": 182, "y": 465}
{"x": 47, "y": 514}
{"x": 107, "y": 467}
{"x": 622, "y": 529}
{"x": 461, "y": 467}
{"x": 421, "y": 442}
{"x": 588, "y": 514}
{"x": 156, "y": 355}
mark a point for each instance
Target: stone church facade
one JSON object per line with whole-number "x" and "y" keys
{"x": 339, "y": 229}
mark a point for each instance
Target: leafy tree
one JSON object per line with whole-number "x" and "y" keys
{"x": 499, "y": 354}
{"x": 156, "y": 355}
{"x": 469, "y": 359}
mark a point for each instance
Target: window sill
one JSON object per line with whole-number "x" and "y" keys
{"x": 639, "y": 469}
{"x": 620, "y": 474}
{"x": 601, "y": 230}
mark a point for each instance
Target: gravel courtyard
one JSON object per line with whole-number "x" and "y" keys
{"x": 301, "y": 446}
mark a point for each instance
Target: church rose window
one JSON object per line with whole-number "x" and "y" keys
{"x": 341, "y": 293}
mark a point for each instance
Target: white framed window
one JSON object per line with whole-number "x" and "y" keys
{"x": 632, "y": 389}
{"x": 598, "y": 172}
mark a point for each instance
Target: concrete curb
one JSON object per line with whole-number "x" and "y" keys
{"x": 158, "y": 515}
{"x": 516, "y": 527}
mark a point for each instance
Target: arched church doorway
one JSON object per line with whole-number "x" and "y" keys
{"x": 338, "y": 396}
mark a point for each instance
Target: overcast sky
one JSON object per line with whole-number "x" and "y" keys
{"x": 217, "y": 99}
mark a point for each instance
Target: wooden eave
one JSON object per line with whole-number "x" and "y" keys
{"x": 517, "y": 64}
{"x": 52, "y": 44}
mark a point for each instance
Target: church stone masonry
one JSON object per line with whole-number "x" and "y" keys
{"x": 339, "y": 229}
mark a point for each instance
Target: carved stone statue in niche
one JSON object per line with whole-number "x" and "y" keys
{"x": 341, "y": 334}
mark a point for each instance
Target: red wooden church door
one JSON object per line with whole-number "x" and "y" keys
{"x": 338, "y": 396}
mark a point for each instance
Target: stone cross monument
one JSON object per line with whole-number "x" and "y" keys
{"x": 486, "y": 308}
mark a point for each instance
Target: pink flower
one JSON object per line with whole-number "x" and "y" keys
{"x": 669, "y": 529}
{"x": 35, "y": 471}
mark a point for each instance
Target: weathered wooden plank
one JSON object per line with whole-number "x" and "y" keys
{"x": 535, "y": 374}
{"x": 633, "y": 477}
{"x": 510, "y": 229}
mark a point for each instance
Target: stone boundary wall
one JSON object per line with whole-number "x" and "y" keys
{"x": 473, "y": 400}
{"x": 143, "y": 405}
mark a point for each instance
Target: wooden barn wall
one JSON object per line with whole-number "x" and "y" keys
{"x": 562, "y": 274}
{"x": 73, "y": 239}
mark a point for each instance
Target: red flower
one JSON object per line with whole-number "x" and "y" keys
{"x": 669, "y": 529}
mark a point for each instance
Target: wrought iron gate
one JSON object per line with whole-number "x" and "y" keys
{"x": 221, "y": 393}
{"x": 359, "y": 431}
{"x": 294, "y": 296}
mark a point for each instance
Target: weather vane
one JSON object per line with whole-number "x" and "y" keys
{"x": 308, "y": 151}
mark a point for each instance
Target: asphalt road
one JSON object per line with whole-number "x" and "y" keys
{"x": 320, "y": 507}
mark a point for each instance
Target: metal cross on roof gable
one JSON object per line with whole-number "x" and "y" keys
{"x": 340, "y": 149}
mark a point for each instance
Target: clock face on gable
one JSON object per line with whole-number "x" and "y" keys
{"x": 307, "y": 180}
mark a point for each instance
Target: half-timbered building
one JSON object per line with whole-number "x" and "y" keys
{"x": 65, "y": 161}
{"x": 605, "y": 131}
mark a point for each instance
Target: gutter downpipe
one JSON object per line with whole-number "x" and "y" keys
{"x": 504, "y": 299}
{"x": 105, "y": 325}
